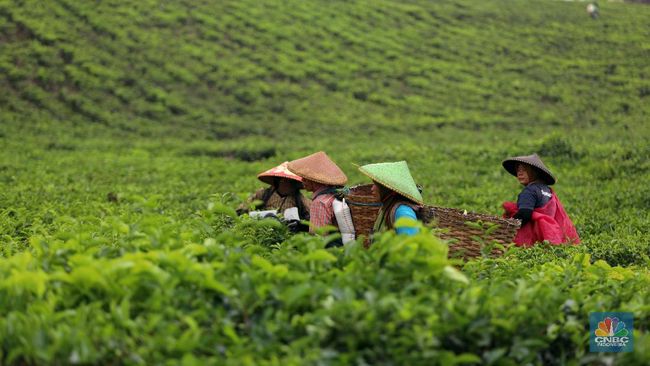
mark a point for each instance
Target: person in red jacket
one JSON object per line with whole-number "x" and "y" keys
{"x": 541, "y": 213}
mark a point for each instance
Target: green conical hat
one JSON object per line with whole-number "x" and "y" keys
{"x": 395, "y": 176}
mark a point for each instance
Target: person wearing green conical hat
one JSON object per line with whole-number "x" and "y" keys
{"x": 399, "y": 195}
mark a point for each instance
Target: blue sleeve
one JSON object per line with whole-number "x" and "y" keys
{"x": 527, "y": 198}
{"x": 405, "y": 211}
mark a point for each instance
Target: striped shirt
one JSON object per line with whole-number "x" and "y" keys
{"x": 321, "y": 211}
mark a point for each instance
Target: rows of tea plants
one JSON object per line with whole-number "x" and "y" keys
{"x": 130, "y": 252}
{"x": 235, "y": 68}
{"x": 217, "y": 287}
{"x": 127, "y": 250}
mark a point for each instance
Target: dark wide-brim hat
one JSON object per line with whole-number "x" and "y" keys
{"x": 510, "y": 164}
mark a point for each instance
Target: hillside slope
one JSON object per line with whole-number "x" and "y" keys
{"x": 225, "y": 69}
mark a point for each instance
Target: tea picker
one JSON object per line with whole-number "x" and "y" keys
{"x": 398, "y": 193}
{"x": 324, "y": 179}
{"x": 542, "y": 215}
{"x": 283, "y": 196}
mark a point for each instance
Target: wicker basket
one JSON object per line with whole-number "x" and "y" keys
{"x": 463, "y": 236}
{"x": 364, "y": 207}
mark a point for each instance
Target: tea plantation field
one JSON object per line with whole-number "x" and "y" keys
{"x": 131, "y": 130}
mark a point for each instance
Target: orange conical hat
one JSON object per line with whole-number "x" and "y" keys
{"x": 280, "y": 171}
{"x": 319, "y": 168}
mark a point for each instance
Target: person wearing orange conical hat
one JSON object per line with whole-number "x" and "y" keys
{"x": 283, "y": 193}
{"x": 541, "y": 213}
{"x": 321, "y": 176}
{"x": 399, "y": 195}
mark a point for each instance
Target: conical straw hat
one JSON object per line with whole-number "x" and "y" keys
{"x": 395, "y": 176}
{"x": 280, "y": 171}
{"x": 319, "y": 168}
{"x": 510, "y": 164}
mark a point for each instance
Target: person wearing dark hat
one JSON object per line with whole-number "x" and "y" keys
{"x": 541, "y": 213}
{"x": 399, "y": 195}
{"x": 282, "y": 194}
{"x": 321, "y": 176}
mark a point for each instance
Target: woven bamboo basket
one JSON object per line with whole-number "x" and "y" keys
{"x": 465, "y": 239}
{"x": 364, "y": 207}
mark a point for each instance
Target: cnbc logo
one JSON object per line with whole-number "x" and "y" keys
{"x": 610, "y": 332}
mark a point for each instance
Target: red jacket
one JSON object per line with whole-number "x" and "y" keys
{"x": 549, "y": 222}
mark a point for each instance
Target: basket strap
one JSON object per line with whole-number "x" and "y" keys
{"x": 331, "y": 190}
{"x": 372, "y": 204}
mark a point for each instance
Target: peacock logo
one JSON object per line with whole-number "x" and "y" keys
{"x": 611, "y": 332}
{"x": 611, "y": 327}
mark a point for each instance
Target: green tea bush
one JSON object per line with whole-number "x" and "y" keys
{"x": 267, "y": 232}
{"x": 400, "y": 300}
{"x": 633, "y": 250}
{"x": 557, "y": 146}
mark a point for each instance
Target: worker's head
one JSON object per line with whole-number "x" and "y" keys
{"x": 286, "y": 187}
{"x": 310, "y": 185}
{"x": 528, "y": 169}
{"x": 526, "y": 173}
{"x": 380, "y": 191}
